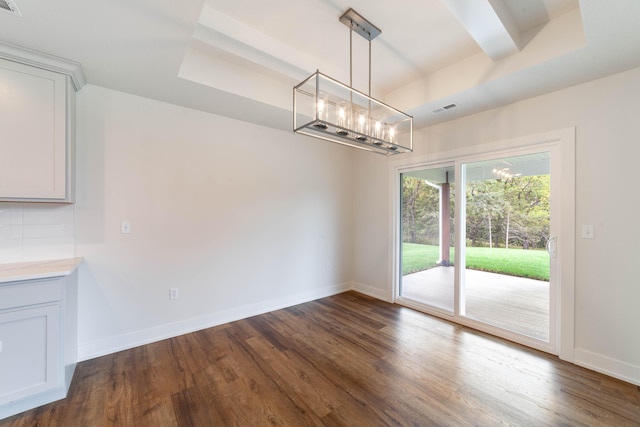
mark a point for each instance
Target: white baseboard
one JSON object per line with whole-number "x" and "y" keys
{"x": 114, "y": 344}
{"x": 606, "y": 365}
{"x": 384, "y": 295}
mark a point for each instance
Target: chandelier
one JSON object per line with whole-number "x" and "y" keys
{"x": 328, "y": 109}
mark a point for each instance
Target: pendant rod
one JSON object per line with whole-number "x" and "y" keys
{"x": 351, "y": 55}
{"x": 350, "y": 70}
{"x": 369, "y": 71}
{"x": 370, "y": 81}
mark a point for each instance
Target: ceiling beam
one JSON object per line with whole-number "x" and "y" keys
{"x": 490, "y": 24}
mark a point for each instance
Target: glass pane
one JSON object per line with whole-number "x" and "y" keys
{"x": 428, "y": 237}
{"x": 507, "y": 218}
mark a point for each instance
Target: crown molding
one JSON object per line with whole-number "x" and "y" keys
{"x": 46, "y": 62}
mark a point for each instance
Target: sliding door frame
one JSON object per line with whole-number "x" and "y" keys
{"x": 561, "y": 144}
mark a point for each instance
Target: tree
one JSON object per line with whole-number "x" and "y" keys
{"x": 411, "y": 189}
{"x": 420, "y": 211}
{"x": 528, "y": 200}
{"x": 516, "y": 208}
{"x": 507, "y": 212}
{"x": 485, "y": 202}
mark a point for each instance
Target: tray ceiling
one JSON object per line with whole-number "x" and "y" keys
{"x": 242, "y": 58}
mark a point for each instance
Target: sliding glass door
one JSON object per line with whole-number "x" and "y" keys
{"x": 475, "y": 243}
{"x": 507, "y": 214}
{"x": 427, "y": 252}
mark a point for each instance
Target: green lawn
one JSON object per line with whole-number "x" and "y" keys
{"x": 514, "y": 262}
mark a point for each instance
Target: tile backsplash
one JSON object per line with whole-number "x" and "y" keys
{"x": 36, "y": 231}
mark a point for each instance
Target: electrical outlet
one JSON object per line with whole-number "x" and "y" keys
{"x": 173, "y": 293}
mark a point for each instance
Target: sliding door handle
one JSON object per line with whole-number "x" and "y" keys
{"x": 552, "y": 246}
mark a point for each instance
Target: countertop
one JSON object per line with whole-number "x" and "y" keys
{"x": 38, "y": 269}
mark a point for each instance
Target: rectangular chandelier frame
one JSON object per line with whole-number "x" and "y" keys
{"x": 331, "y": 110}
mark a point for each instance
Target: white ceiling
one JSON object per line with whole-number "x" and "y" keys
{"x": 241, "y": 58}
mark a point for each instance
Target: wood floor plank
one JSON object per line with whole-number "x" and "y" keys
{"x": 87, "y": 392}
{"x": 192, "y": 408}
{"x": 367, "y": 379}
{"x": 119, "y": 404}
{"x": 343, "y": 360}
{"x": 260, "y": 383}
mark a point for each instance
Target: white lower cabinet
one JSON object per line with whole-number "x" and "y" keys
{"x": 38, "y": 349}
{"x": 30, "y": 352}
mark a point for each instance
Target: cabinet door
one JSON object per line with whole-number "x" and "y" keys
{"x": 29, "y": 352}
{"x": 33, "y": 133}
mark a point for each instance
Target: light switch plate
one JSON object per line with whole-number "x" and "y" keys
{"x": 125, "y": 227}
{"x": 587, "y": 231}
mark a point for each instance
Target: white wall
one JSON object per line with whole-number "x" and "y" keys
{"x": 241, "y": 218}
{"x": 605, "y": 114}
{"x": 372, "y": 234}
{"x": 244, "y": 219}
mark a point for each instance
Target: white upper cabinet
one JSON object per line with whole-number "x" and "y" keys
{"x": 37, "y": 127}
{"x": 33, "y": 134}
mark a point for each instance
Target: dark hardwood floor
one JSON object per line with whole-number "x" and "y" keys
{"x": 342, "y": 360}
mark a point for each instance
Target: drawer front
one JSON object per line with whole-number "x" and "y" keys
{"x": 31, "y": 292}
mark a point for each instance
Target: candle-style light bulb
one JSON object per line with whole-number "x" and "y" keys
{"x": 321, "y": 112}
{"x": 362, "y": 127}
{"x": 342, "y": 122}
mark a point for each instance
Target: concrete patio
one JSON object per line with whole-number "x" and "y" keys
{"x": 514, "y": 303}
